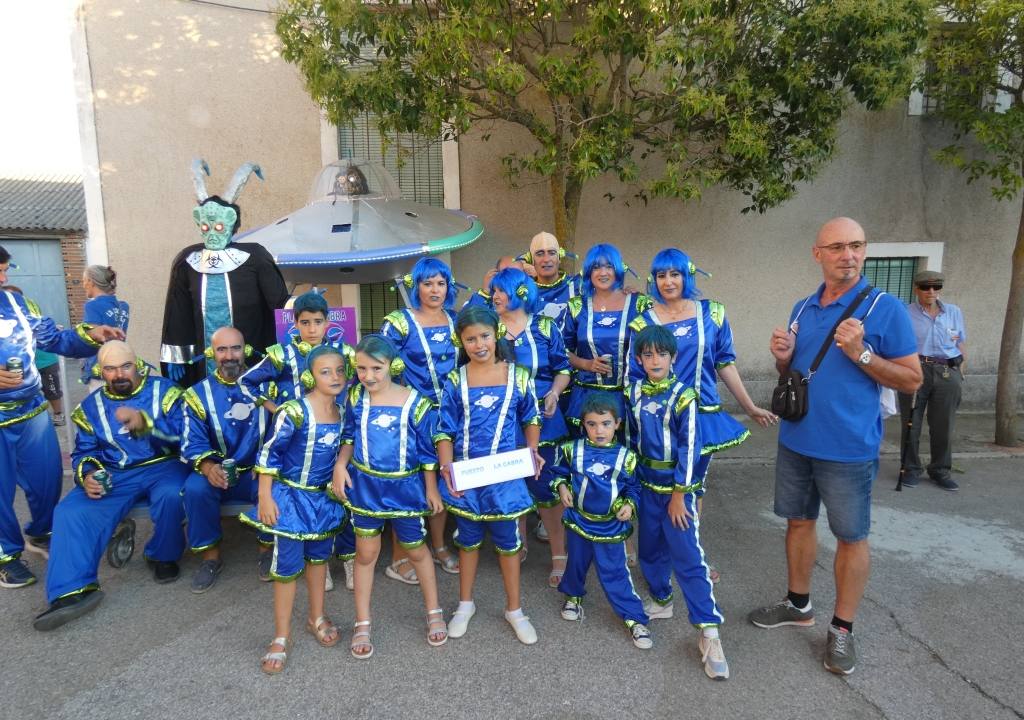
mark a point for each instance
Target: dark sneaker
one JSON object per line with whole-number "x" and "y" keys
{"x": 206, "y": 575}
{"x": 15, "y": 574}
{"x": 38, "y": 544}
{"x": 713, "y": 657}
{"x": 263, "y": 565}
{"x": 66, "y": 609}
{"x": 840, "y": 652}
{"x": 946, "y": 483}
{"x": 165, "y": 571}
{"x": 782, "y": 613}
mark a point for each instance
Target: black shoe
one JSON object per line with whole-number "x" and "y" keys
{"x": 165, "y": 571}
{"x": 66, "y": 609}
{"x": 911, "y": 481}
{"x": 946, "y": 483}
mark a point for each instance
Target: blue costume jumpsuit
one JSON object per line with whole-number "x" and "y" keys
{"x": 481, "y": 421}
{"x": 555, "y": 296}
{"x": 711, "y": 341}
{"x": 590, "y": 334}
{"x": 140, "y": 468}
{"x": 602, "y": 479}
{"x": 102, "y": 310}
{"x": 540, "y": 350}
{"x": 220, "y": 422}
{"x": 427, "y": 354}
{"x": 663, "y": 431}
{"x": 300, "y": 456}
{"x": 29, "y": 453}
{"x": 282, "y": 370}
{"x": 392, "y": 446}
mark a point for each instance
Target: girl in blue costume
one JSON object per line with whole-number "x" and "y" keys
{"x": 597, "y": 328}
{"x": 424, "y": 336}
{"x": 295, "y": 468}
{"x": 387, "y": 470}
{"x": 538, "y": 347}
{"x": 101, "y": 308}
{"x": 483, "y": 406}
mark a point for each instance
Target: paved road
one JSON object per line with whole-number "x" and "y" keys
{"x": 938, "y": 633}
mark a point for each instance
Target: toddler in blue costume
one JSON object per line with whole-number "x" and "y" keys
{"x": 387, "y": 470}
{"x": 662, "y": 430}
{"x": 482, "y": 405}
{"x": 295, "y": 469}
{"x": 596, "y": 481}
{"x": 281, "y": 371}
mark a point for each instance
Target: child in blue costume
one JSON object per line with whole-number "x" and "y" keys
{"x": 597, "y": 331}
{"x": 387, "y": 470}
{"x": 281, "y": 371}
{"x": 662, "y": 430}
{"x": 101, "y": 308}
{"x": 424, "y": 335}
{"x": 483, "y": 406}
{"x": 596, "y": 482}
{"x": 538, "y": 348}
{"x": 295, "y": 469}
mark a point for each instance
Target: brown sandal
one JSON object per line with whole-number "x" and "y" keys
{"x": 322, "y": 629}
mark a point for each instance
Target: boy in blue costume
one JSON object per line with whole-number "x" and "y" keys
{"x": 29, "y": 453}
{"x": 483, "y": 406}
{"x": 295, "y": 469}
{"x": 129, "y": 429}
{"x": 662, "y": 430}
{"x": 596, "y": 481}
{"x": 221, "y": 422}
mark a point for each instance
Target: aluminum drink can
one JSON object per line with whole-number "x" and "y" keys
{"x": 230, "y": 468}
{"x": 103, "y": 478}
{"x": 15, "y": 365}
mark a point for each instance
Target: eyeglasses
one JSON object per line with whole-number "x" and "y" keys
{"x": 929, "y": 287}
{"x": 836, "y": 248}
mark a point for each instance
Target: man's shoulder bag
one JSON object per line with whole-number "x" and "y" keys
{"x": 789, "y": 398}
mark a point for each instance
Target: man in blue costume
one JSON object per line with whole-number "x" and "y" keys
{"x": 29, "y": 454}
{"x": 213, "y": 285}
{"x": 129, "y": 429}
{"x": 221, "y": 422}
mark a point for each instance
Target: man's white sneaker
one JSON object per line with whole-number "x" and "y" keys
{"x": 713, "y": 657}
{"x": 522, "y": 626}
{"x": 459, "y": 622}
{"x": 657, "y": 611}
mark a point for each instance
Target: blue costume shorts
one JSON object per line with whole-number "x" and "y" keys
{"x": 410, "y": 531}
{"x": 469, "y": 534}
{"x": 291, "y": 556}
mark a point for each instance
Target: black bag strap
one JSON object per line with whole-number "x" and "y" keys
{"x": 850, "y": 309}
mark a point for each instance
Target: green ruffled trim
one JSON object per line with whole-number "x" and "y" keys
{"x": 621, "y": 537}
{"x": 488, "y": 518}
{"x": 88, "y": 588}
{"x": 246, "y": 520}
{"x": 709, "y": 449}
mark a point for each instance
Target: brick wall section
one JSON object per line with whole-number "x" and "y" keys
{"x": 72, "y": 251}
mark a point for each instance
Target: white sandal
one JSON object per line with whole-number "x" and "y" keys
{"x": 280, "y": 656}
{"x": 436, "y": 626}
{"x": 357, "y": 633}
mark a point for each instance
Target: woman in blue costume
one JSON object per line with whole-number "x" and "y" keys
{"x": 424, "y": 336}
{"x": 295, "y": 468}
{"x": 101, "y": 308}
{"x": 538, "y": 347}
{"x": 597, "y": 328}
{"x": 485, "y": 405}
{"x": 387, "y": 470}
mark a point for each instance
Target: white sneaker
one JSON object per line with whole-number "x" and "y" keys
{"x": 713, "y": 657}
{"x": 657, "y": 611}
{"x": 522, "y": 625}
{"x": 350, "y": 575}
{"x": 459, "y": 623}
{"x": 328, "y": 581}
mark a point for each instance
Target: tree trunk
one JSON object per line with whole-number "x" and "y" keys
{"x": 565, "y": 204}
{"x": 1009, "y": 347}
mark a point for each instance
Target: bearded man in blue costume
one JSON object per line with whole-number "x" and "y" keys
{"x": 213, "y": 285}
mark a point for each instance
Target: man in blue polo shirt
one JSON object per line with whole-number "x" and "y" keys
{"x": 831, "y": 454}
{"x": 941, "y": 335}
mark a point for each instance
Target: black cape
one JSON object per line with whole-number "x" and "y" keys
{"x": 257, "y": 289}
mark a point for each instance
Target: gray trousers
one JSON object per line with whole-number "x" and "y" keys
{"x": 938, "y": 397}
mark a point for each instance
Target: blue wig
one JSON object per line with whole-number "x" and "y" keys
{"x": 311, "y": 301}
{"x": 520, "y": 288}
{"x": 426, "y": 268}
{"x": 602, "y": 254}
{"x": 673, "y": 259}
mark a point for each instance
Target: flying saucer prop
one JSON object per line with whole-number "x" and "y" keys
{"x": 358, "y": 229}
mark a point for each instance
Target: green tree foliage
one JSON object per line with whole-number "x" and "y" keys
{"x": 671, "y": 96}
{"x": 975, "y": 63}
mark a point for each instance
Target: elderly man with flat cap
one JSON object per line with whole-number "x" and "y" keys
{"x": 941, "y": 338}
{"x": 128, "y": 430}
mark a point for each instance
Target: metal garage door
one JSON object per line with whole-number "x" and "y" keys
{"x": 40, "y": 274}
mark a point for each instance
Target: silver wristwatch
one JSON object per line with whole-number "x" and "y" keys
{"x": 865, "y": 357}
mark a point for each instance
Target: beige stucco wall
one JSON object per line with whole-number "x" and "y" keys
{"x": 171, "y": 81}
{"x": 883, "y": 176}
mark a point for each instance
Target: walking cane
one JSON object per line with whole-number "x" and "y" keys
{"x": 905, "y": 442}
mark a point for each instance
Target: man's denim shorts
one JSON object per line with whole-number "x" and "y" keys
{"x": 802, "y": 483}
